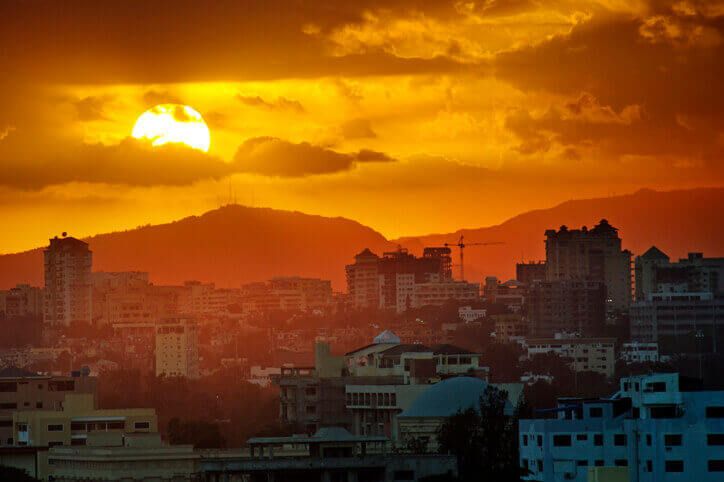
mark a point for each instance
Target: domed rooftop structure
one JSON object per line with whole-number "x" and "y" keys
{"x": 450, "y": 396}
{"x": 386, "y": 337}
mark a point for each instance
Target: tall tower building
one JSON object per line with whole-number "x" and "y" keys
{"x": 363, "y": 282}
{"x": 591, "y": 255}
{"x": 68, "y": 282}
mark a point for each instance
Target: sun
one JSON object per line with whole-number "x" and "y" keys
{"x": 175, "y": 123}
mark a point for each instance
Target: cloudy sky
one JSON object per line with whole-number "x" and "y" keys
{"x": 408, "y": 116}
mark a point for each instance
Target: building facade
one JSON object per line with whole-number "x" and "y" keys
{"x": 23, "y": 300}
{"x": 68, "y": 282}
{"x": 566, "y": 306}
{"x": 596, "y": 255}
{"x": 177, "y": 350}
{"x": 654, "y": 427}
{"x": 583, "y": 354}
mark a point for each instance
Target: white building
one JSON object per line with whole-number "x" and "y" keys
{"x": 469, "y": 314}
{"x": 636, "y": 352}
{"x": 654, "y": 426}
{"x": 437, "y": 293}
{"x": 68, "y": 282}
{"x": 583, "y": 354}
{"x": 177, "y": 351}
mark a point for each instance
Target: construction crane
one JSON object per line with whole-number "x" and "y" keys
{"x": 461, "y": 244}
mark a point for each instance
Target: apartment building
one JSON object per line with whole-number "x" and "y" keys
{"x": 68, "y": 294}
{"x": 22, "y": 300}
{"x": 583, "y": 354}
{"x": 636, "y": 352}
{"x": 591, "y": 254}
{"x": 566, "y": 305}
{"x": 177, "y": 350}
{"x": 656, "y": 427}
{"x": 22, "y": 390}
{"x": 75, "y": 420}
{"x": 680, "y": 322}
{"x": 365, "y": 389}
{"x": 655, "y": 273}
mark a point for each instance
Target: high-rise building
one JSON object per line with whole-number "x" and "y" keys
{"x": 529, "y": 272}
{"x": 68, "y": 282}
{"x": 177, "y": 350}
{"x": 363, "y": 283}
{"x": 573, "y": 306}
{"x": 591, "y": 255}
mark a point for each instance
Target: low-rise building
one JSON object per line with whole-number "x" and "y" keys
{"x": 22, "y": 391}
{"x": 78, "y": 417}
{"x": 636, "y": 352}
{"x": 583, "y": 354}
{"x": 655, "y": 426}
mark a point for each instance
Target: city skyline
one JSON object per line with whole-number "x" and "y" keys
{"x": 358, "y": 110}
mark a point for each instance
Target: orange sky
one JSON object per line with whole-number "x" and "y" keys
{"x": 408, "y": 116}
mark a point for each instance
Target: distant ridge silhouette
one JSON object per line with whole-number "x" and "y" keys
{"x": 237, "y": 244}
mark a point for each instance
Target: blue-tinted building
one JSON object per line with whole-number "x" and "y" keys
{"x": 661, "y": 430}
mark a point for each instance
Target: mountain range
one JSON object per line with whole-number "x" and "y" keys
{"x": 235, "y": 244}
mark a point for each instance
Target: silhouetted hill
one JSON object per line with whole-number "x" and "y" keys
{"x": 237, "y": 244}
{"x": 677, "y": 222}
{"x": 230, "y": 245}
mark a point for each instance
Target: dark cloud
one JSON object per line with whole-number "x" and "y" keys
{"x": 154, "y": 97}
{"x": 135, "y": 162}
{"x": 119, "y": 41}
{"x": 276, "y": 157}
{"x": 358, "y": 129}
{"x": 91, "y": 108}
{"x": 633, "y": 91}
{"x": 282, "y": 103}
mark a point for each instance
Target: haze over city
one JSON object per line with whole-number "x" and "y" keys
{"x": 362, "y": 241}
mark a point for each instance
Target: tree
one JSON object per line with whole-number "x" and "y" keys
{"x": 13, "y": 474}
{"x": 202, "y": 435}
{"x": 485, "y": 440}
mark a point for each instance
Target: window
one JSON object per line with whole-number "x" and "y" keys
{"x": 54, "y": 443}
{"x": 116, "y": 425}
{"x": 141, "y": 425}
{"x": 525, "y": 440}
{"x": 656, "y": 387}
{"x": 581, "y": 437}
{"x": 311, "y": 410}
{"x": 540, "y": 440}
{"x": 581, "y": 463}
{"x": 714, "y": 412}
{"x": 674, "y": 466}
{"x": 78, "y": 441}
{"x": 595, "y": 412}
{"x": 598, "y": 439}
{"x": 6, "y": 423}
{"x": 620, "y": 463}
{"x": 648, "y": 439}
{"x": 561, "y": 440}
{"x": 311, "y": 391}
{"x": 77, "y": 426}
{"x": 56, "y": 427}
{"x": 716, "y": 465}
{"x": 393, "y": 399}
{"x": 540, "y": 465}
{"x": 38, "y": 404}
{"x": 619, "y": 439}
{"x": 8, "y": 387}
{"x": 61, "y": 385}
{"x": 636, "y": 412}
{"x": 649, "y": 466}
{"x": 715, "y": 439}
{"x": 672, "y": 439}
{"x": 598, "y": 463}
{"x": 8, "y": 405}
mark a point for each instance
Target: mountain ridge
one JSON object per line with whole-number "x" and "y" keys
{"x": 236, "y": 244}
